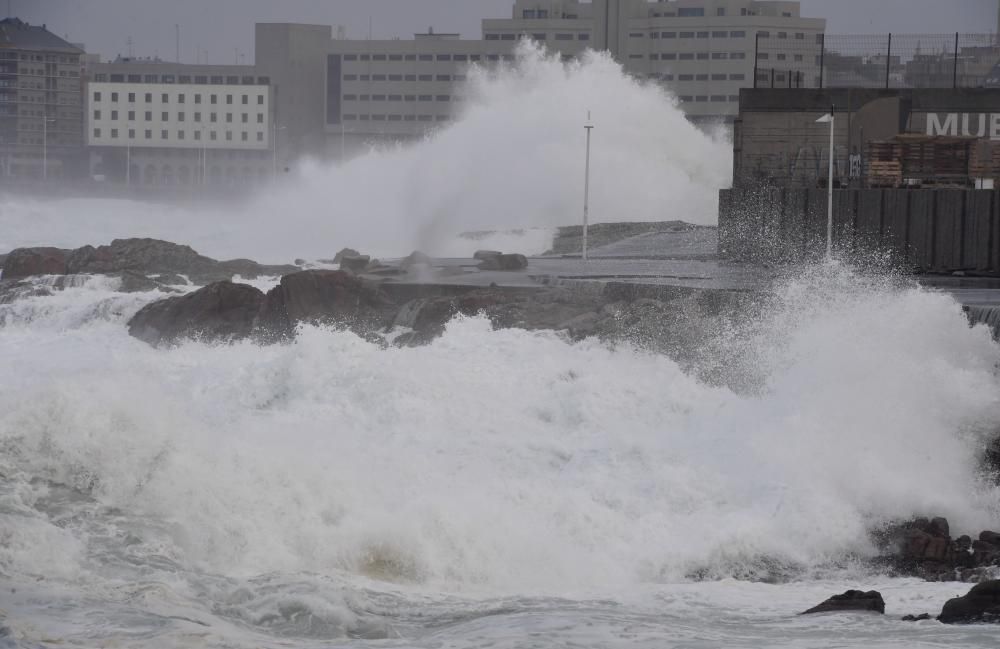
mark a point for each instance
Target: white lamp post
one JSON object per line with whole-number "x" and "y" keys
{"x": 586, "y": 188}
{"x": 274, "y": 148}
{"x": 128, "y": 155}
{"x": 829, "y": 118}
{"x": 45, "y": 147}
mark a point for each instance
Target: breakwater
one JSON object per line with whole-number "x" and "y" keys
{"x": 927, "y": 230}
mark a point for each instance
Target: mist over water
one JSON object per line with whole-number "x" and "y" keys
{"x": 513, "y": 160}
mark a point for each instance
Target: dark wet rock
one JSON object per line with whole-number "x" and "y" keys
{"x": 923, "y": 548}
{"x": 585, "y": 325}
{"x": 483, "y": 255}
{"x": 132, "y": 282}
{"x": 300, "y": 262}
{"x": 171, "y": 279}
{"x": 323, "y": 297}
{"x": 981, "y": 604}
{"x": 355, "y": 263}
{"x": 29, "y": 262}
{"x": 345, "y": 252}
{"x": 222, "y": 311}
{"x": 916, "y": 618}
{"x": 415, "y": 258}
{"x": 504, "y": 262}
{"x": 852, "y": 600}
{"x": 144, "y": 256}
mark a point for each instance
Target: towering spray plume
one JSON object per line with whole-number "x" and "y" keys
{"x": 513, "y": 159}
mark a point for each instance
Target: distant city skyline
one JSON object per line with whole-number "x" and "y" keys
{"x": 221, "y": 31}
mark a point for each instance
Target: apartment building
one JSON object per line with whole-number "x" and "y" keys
{"x": 702, "y": 50}
{"x": 41, "y": 111}
{"x": 152, "y": 123}
{"x": 333, "y": 96}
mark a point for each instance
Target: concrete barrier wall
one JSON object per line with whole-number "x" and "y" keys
{"x": 938, "y": 231}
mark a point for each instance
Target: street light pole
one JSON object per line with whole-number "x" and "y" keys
{"x": 586, "y": 188}
{"x": 128, "y": 156}
{"x": 45, "y": 147}
{"x": 829, "y": 117}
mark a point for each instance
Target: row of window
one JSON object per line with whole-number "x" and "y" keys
{"x": 458, "y": 58}
{"x": 404, "y": 77}
{"x": 580, "y": 36}
{"x": 709, "y": 98}
{"x": 352, "y": 97}
{"x": 165, "y": 116}
{"x": 181, "y": 98}
{"x": 397, "y": 118}
{"x": 201, "y": 80}
{"x": 697, "y": 77}
{"x": 692, "y": 56}
{"x": 51, "y": 58}
{"x": 707, "y": 34}
{"x": 165, "y": 135}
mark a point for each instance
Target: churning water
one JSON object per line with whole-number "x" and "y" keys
{"x": 492, "y": 489}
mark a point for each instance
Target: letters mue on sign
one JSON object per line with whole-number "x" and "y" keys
{"x": 964, "y": 124}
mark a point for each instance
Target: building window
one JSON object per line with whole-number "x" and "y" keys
{"x": 260, "y": 118}
{"x": 246, "y": 118}
{"x": 720, "y": 34}
{"x": 260, "y": 136}
{"x": 229, "y": 118}
{"x": 164, "y": 98}
{"x": 737, "y": 77}
{"x": 738, "y": 55}
{"x": 719, "y": 56}
{"x": 131, "y": 97}
{"x": 244, "y": 136}
{"x": 702, "y": 34}
{"x": 246, "y": 99}
{"x": 378, "y": 97}
{"x": 701, "y": 77}
{"x": 690, "y": 12}
{"x": 149, "y": 134}
{"x": 149, "y": 116}
{"x": 229, "y": 100}
{"x": 180, "y": 98}
{"x": 739, "y": 34}
{"x": 444, "y": 57}
{"x": 685, "y": 77}
{"x": 350, "y": 77}
{"x": 668, "y": 34}
{"x": 260, "y": 100}
{"x": 197, "y": 117}
{"x": 197, "y": 135}
{"x": 164, "y": 116}
{"x": 131, "y": 116}
{"x": 131, "y": 134}
{"x": 671, "y": 56}
{"x": 378, "y": 57}
{"x": 212, "y": 136}
{"x": 180, "y": 117}
{"x": 378, "y": 77}
{"x": 114, "y": 97}
{"x": 718, "y": 77}
{"x": 721, "y": 11}
{"x": 687, "y": 56}
{"x": 702, "y": 56}
{"x": 213, "y": 117}
{"x": 197, "y": 99}
{"x": 229, "y": 136}
{"x": 781, "y": 57}
{"x": 114, "y": 133}
{"x": 395, "y": 77}
{"x": 97, "y": 114}
{"x": 782, "y": 35}
{"x": 215, "y": 99}
{"x": 444, "y": 77}
{"x": 97, "y": 132}
{"x": 149, "y": 97}
{"x": 114, "y": 115}
{"x": 180, "y": 135}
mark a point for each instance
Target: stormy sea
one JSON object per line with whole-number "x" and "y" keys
{"x": 495, "y": 487}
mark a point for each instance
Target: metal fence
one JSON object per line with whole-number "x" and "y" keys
{"x": 876, "y": 61}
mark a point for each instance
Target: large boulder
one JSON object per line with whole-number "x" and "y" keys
{"x": 355, "y": 263}
{"x": 152, "y": 256}
{"x": 325, "y": 297}
{"x": 981, "y": 604}
{"x": 27, "y": 262}
{"x": 219, "y": 312}
{"x": 853, "y": 601}
{"x": 504, "y": 262}
{"x": 345, "y": 252}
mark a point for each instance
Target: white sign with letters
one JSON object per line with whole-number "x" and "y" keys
{"x": 964, "y": 124}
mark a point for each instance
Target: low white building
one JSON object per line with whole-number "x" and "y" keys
{"x": 158, "y": 124}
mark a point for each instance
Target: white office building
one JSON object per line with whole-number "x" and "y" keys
{"x": 334, "y": 95}
{"x": 159, "y": 124}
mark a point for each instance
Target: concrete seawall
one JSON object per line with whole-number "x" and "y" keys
{"x": 931, "y": 230}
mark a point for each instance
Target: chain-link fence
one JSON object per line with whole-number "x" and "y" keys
{"x": 876, "y": 61}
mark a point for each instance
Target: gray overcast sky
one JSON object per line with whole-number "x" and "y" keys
{"x": 221, "y": 27}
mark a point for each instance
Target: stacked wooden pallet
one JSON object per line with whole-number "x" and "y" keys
{"x": 920, "y": 160}
{"x": 985, "y": 160}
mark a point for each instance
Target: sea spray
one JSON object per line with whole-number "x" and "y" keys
{"x": 512, "y": 160}
{"x": 495, "y": 460}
